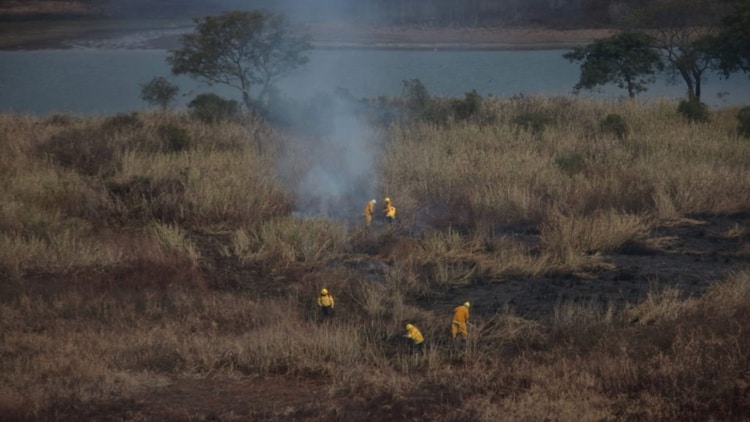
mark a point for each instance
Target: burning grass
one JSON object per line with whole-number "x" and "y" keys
{"x": 129, "y": 265}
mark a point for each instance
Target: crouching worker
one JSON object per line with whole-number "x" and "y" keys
{"x": 325, "y": 303}
{"x": 416, "y": 337}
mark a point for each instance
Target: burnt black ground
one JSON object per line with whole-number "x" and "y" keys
{"x": 689, "y": 254}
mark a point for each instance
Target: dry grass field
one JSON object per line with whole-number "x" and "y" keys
{"x": 156, "y": 268}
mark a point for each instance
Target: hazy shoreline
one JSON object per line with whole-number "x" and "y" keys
{"x": 165, "y": 35}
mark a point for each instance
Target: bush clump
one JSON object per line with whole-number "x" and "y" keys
{"x": 468, "y": 107}
{"x": 211, "y": 108}
{"x": 176, "y": 138}
{"x": 122, "y": 122}
{"x": 85, "y": 151}
{"x": 415, "y": 98}
{"x": 159, "y": 92}
{"x": 693, "y": 110}
{"x": 743, "y": 122}
{"x": 614, "y": 124}
{"x": 571, "y": 164}
{"x": 532, "y": 122}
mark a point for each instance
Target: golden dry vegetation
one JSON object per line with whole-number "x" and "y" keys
{"x": 145, "y": 257}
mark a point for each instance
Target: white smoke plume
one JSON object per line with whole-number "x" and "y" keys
{"x": 330, "y": 154}
{"x": 333, "y": 173}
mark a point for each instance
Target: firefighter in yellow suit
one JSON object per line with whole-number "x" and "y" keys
{"x": 460, "y": 319}
{"x": 416, "y": 337}
{"x": 389, "y": 210}
{"x": 326, "y": 303}
{"x": 369, "y": 209}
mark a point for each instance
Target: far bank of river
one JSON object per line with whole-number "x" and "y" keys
{"x": 164, "y": 34}
{"x": 105, "y": 81}
{"x": 103, "y": 71}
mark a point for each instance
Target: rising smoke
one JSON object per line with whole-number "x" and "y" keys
{"x": 331, "y": 162}
{"x": 333, "y": 171}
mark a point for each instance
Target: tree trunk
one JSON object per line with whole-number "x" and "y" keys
{"x": 247, "y": 100}
{"x": 697, "y": 78}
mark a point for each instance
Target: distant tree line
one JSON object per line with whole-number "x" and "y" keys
{"x": 428, "y": 13}
{"x": 687, "y": 38}
{"x": 251, "y": 50}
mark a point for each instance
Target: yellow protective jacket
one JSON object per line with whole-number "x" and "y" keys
{"x": 369, "y": 209}
{"x": 390, "y": 211}
{"x": 415, "y": 335}
{"x": 461, "y": 315}
{"x": 325, "y": 300}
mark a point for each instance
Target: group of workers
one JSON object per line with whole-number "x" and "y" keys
{"x": 459, "y": 323}
{"x": 460, "y": 320}
{"x": 389, "y": 211}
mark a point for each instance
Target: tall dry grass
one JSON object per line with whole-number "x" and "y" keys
{"x": 113, "y": 229}
{"x": 667, "y": 358}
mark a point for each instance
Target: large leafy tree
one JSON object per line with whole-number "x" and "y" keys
{"x": 243, "y": 50}
{"x": 684, "y": 32}
{"x": 733, "y": 41}
{"x": 627, "y": 59}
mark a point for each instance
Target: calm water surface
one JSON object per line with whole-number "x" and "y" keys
{"x": 105, "y": 81}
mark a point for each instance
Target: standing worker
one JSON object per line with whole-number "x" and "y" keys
{"x": 389, "y": 210}
{"x": 416, "y": 337}
{"x": 460, "y": 319}
{"x": 369, "y": 209}
{"x": 325, "y": 303}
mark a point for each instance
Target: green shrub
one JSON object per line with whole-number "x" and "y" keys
{"x": 85, "y": 151}
{"x": 415, "y": 98}
{"x": 693, "y": 110}
{"x": 122, "y": 122}
{"x": 438, "y": 111}
{"x": 159, "y": 92}
{"x": 571, "y": 164}
{"x": 532, "y": 122}
{"x": 743, "y": 122}
{"x": 211, "y": 108}
{"x": 468, "y": 107}
{"x": 60, "y": 120}
{"x": 614, "y": 124}
{"x": 176, "y": 138}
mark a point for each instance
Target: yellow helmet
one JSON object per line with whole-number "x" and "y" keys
{"x": 324, "y": 292}
{"x": 409, "y": 326}
{"x": 467, "y": 304}
{"x": 387, "y": 199}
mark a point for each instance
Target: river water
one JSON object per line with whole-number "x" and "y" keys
{"x": 108, "y": 80}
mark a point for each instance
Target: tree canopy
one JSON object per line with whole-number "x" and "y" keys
{"x": 627, "y": 59}
{"x": 733, "y": 41}
{"x": 684, "y": 32}
{"x": 159, "y": 91}
{"x": 243, "y": 50}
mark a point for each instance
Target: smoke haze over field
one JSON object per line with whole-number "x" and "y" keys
{"x": 336, "y": 159}
{"x": 334, "y": 174}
